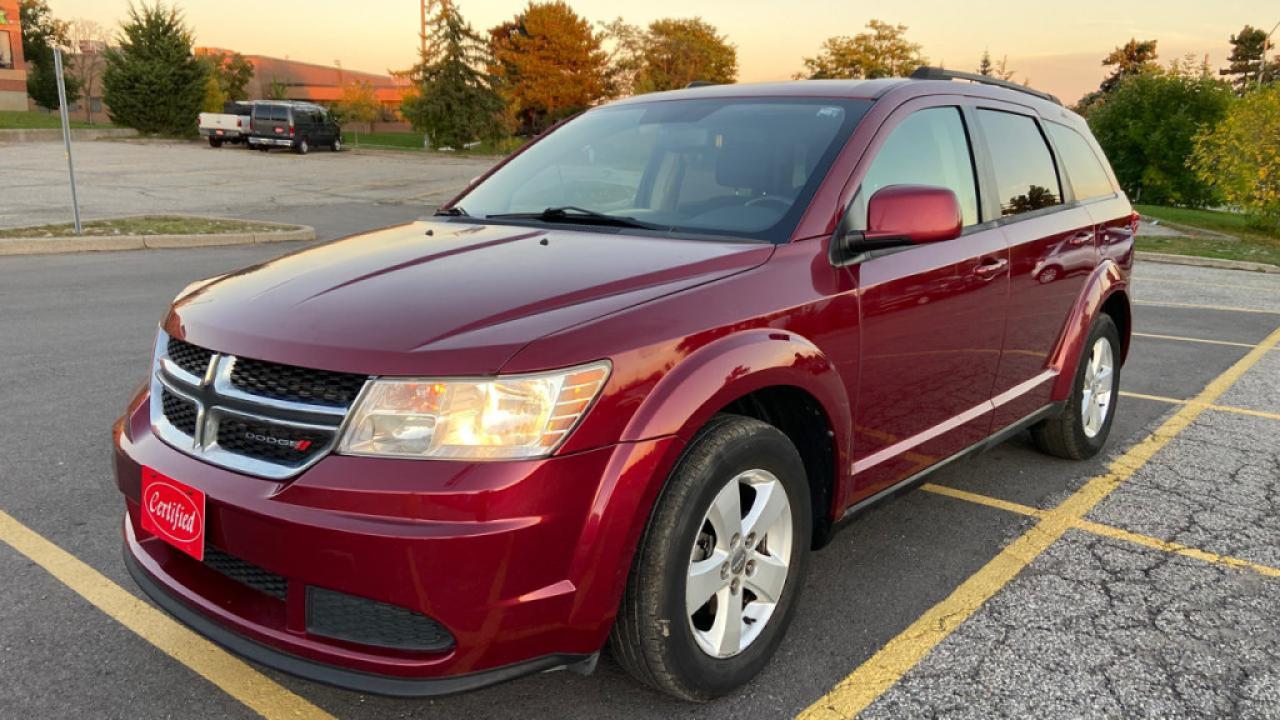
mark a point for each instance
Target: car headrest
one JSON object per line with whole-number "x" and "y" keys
{"x": 745, "y": 164}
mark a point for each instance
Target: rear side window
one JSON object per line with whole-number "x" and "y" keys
{"x": 1026, "y": 178}
{"x": 1085, "y": 173}
{"x": 930, "y": 147}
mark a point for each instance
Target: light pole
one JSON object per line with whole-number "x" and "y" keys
{"x": 1262, "y": 62}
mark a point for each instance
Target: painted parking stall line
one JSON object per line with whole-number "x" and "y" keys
{"x": 902, "y": 653}
{"x": 230, "y": 674}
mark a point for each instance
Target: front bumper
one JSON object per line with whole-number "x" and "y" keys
{"x": 523, "y": 563}
{"x": 279, "y": 142}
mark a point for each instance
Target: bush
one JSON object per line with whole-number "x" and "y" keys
{"x": 153, "y": 82}
{"x": 1147, "y": 127}
{"x": 1240, "y": 157}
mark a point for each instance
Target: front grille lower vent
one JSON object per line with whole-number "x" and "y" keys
{"x": 245, "y": 572}
{"x": 295, "y": 384}
{"x": 367, "y": 622}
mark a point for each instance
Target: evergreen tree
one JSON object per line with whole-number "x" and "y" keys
{"x": 1132, "y": 58}
{"x": 153, "y": 82}
{"x": 41, "y": 33}
{"x": 455, "y": 101}
{"x": 1248, "y": 51}
{"x": 984, "y": 65}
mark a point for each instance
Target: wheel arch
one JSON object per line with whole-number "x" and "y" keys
{"x": 1106, "y": 291}
{"x": 775, "y": 376}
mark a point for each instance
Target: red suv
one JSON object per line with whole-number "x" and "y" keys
{"x": 622, "y": 386}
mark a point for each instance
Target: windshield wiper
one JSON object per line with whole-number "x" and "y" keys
{"x": 574, "y": 214}
{"x": 454, "y": 211}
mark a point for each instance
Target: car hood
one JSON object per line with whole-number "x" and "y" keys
{"x": 440, "y": 298}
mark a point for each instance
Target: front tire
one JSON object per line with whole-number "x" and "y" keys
{"x": 337, "y": 145}
{"x": 715, "y": 580}
{"x": 1082, "y": 428}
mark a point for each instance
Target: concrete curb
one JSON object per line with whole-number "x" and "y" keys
{"x": 1206, "y": 262}
{"x": 109, "y": 243}
{"x": 55, "y": 135}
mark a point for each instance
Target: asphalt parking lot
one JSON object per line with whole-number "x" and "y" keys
{"x": 1145, "y": 583}
{"x": 337, "y": 193}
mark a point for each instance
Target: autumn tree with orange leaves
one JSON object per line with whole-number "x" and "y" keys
{"x": 547, "y": 63}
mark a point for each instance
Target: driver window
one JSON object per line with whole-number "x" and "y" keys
{"x": 930, "y": 147}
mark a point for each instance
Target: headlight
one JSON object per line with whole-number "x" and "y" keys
{"x": 506, "y": 417}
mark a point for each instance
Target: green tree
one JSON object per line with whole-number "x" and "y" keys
{"x": 153, "y": 83}
{"x": 1147, "y": 128}
{"x": 678, "y": 51}
{"x": 232, "y": 72}
{"x": 277, "y": 89}
{"x": 882, "y": 51}
{"x": 215, "y": 99}
{"x": 359, "y": 104}
{"x": 41, "y": 33}
{"x": 547, "y": 64}
{"x": 454, "y": 102}
{"x": 1248, "y": 52}
{"x": 1132, "y": 58}
{"x": 1240, "y": 156}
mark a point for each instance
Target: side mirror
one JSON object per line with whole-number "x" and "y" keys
{"x": 900, "y": 215}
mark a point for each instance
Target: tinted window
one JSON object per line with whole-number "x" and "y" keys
{"x": 1087, "y": 177}
{"x": 1026, "y": 179}
{"x": 740, "y": 167}
{"x": 930, "y": 147}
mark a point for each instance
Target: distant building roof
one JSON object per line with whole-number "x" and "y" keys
{"x": 314, "y": 82}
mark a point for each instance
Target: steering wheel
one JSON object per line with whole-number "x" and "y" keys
{"x": 782, "y": 202}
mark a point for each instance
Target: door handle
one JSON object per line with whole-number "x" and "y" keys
{"x": 1081, "y": 238}
{"x": 991, "y": 268}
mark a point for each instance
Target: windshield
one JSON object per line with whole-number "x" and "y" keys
{"x": 739, "y": 167}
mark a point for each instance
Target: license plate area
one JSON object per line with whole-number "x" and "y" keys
{"x": 174, "y": 512}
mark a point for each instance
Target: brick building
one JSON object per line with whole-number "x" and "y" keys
{"x": 314, "y": 83}
{"x": 13, "y": 69}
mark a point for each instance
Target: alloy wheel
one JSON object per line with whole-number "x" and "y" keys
{"x": 739, "y": 563}
{"x": 1095, "y": 397}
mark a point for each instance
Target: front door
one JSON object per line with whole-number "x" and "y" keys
{"x": 933, "y": 316}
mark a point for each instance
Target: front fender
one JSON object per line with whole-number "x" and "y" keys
{"x": 1107, "y": 280}
{"x": 726, "y": 369}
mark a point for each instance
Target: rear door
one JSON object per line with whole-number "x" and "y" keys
{"x": 933, "y": 316}
{"x": 271, "y": 120}
{"x": 1053, "y": 250}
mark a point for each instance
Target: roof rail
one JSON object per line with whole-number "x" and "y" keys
{"x": 934, "y": 73}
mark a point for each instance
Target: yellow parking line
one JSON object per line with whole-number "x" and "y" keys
{"x": 1180, "y": 338}
{"x": 881, "y": 671}
{"x": 1107, "y": 531}
{"x": 987, "y": 500}
{"x": 1116, "y": 533}
{"x": 1193, "y": 306}
{"x": 1210, "y": 406}
{"x": 233, "y": 676}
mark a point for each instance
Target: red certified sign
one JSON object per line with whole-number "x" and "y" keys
{"x": 174, "y": 512}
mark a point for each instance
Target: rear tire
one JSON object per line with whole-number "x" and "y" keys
{"x": 739, "y": 478}
{"x": 215, "y": 142}
{"x": 1081, "y": 430}
{"x": 302, "y": 148}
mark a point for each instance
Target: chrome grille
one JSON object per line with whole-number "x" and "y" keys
{"x": 275, "y": 427}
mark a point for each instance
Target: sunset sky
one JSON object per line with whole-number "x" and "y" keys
{"x": 1058, "y": 45}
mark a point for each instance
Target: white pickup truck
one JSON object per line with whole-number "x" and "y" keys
{"x": 231, "y": 125}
